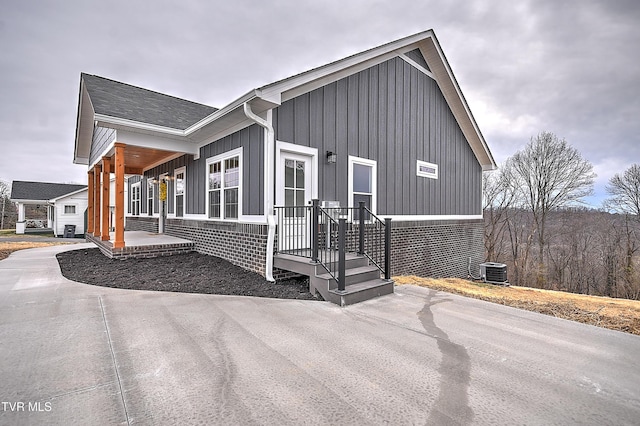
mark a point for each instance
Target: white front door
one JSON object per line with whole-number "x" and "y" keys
{"x": 294, "y": 193}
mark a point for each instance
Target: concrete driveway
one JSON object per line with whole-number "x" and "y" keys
{"x": 76, "y": 354}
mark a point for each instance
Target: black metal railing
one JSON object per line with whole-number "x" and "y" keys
{"x": 326, "y": 234}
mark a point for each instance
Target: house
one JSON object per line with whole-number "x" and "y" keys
{"x": 388, "y": 126}
{"x": 65, "y": 203}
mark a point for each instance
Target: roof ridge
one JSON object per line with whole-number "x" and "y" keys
{"x": 346, "y": 58}
{"x": 50, "y": 183}
{"x": 83, "y": 74}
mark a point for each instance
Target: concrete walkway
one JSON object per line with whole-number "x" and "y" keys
{"x": 76, "y": 354}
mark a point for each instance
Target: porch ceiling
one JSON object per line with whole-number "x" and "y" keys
{"x": 137, "y": 158}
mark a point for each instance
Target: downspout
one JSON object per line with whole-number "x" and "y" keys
{"x": 269, "y": 185}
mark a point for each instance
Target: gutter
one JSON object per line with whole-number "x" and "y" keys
{"x": 269, "y": 184}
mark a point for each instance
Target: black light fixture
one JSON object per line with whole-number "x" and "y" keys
{"x": 332, "y": 157}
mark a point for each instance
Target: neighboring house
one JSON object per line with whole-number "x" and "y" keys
{"x": 388, "y": 126}
{"x": 66, "y": 204}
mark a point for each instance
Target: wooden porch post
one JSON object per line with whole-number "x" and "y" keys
{"x": 106, "y": 182}
{"x": 96, "y": 199}
{"x": 90, "y": 192}
{"x": 119, "y": 219}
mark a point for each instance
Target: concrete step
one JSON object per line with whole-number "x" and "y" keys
{"x": 360, "y": 292}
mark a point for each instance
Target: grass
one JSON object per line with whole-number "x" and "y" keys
{"x": 12, "y": 233}
{"x": 8, "y": 247}
{"x": 614, "y": 314}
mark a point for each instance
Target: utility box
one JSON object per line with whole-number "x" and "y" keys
{"x": 494, "y": 273}
{"x": 69, "y": 231}
{"x": 333, "y": 210}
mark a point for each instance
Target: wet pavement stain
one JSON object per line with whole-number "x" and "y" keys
{"x": 452, "y": 404}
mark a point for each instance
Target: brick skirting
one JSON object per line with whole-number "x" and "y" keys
{"x": 424, "y": 248}
{"x": 137, "y": 252}
{"x": 241, "y": 244}
{"x": 436, "y": 249}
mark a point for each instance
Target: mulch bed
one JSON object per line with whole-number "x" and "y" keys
{"x": 185, "y": 273}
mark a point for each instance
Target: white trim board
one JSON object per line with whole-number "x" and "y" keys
{"x": 408, "y": 218}
{"x": 416, "y": 65}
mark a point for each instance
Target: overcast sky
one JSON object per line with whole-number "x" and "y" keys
{"x": 569, "y": 67}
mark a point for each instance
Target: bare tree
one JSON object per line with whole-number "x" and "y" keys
{"x": 499, "y": 195}
{"x": 4, "y": 200}
{"x": 625, "y": 191}
{"x": 552, "y": 174}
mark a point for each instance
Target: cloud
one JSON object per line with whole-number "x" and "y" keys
{"x": 568, "y": 67}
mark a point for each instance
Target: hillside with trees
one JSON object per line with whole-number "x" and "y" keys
{"x": 536, "y": 224}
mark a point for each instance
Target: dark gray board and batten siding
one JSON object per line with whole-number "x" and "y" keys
{"x": 251, "y": 139}
{"x": 394, "y": 114}
{"x": 391, "y": 113}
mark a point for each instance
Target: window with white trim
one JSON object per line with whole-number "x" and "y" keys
{"x": 179, "y": 191}
{"x": 428, "y": 170}
{"x": 150, "y": 189}
{"x": 224, "y": 185}
{"x": 362, "y": 182}
{"x": 69, "y": 209}
{"x": 135, "y": 199}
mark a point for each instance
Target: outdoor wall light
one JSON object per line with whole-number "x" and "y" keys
{"x": 332, "y": 157}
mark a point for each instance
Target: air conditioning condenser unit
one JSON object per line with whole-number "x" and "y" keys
{"x": 494, "y": 273}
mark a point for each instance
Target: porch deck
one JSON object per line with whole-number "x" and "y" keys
{"x": 142, "y": 244}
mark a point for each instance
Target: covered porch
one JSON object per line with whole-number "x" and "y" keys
{"x": 110, "y": 236}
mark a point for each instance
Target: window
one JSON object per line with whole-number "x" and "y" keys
{"x": 428, "y": 170}
{"x": 362, "y": 183}
{"x": 224, "y": 178}
{"x": 69, "y": 209}
{"x": 294, "y": 186}
{"x": 180, "y": 183}
{"x": 150, "y": 189}
{"x": 135, "y": 199}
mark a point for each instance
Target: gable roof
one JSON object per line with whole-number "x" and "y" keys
{"x": 41, "y": 191}
{"x": 70, "y": 194}
{"x": 114, "y": 99}
{"x": 423, "y": 49}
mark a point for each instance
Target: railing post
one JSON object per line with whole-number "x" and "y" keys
{"x": 315, "y": 210}
{"x": 342, "y": 225}
{"x": 361, "y": 225}
{"x": 387, "y": 248}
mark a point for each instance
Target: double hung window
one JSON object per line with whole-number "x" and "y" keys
{"x": 224, "y": 182}
{"x": 150, "y": 187}
{"x": 135, "y": 199}
{"x": 179, "y": 188}
{"x": 362, "y": 183}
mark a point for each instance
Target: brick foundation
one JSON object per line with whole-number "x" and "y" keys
{"x": 142, "y": 223}
{"x": 243, "y": 245}
{"x": 436, "y": 249}
{"x": 137, "y": 252}
{"x": 424, "y": 248}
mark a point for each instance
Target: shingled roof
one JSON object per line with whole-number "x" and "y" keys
{"x": 41, "y": 191}
{"x": 120, "y": 100}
